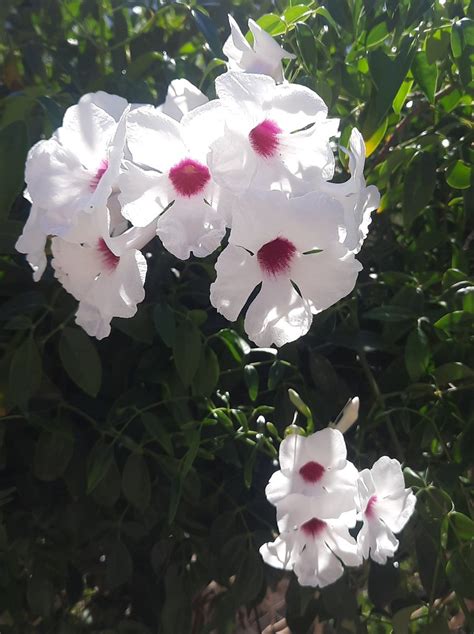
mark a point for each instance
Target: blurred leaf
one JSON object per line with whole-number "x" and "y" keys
{"x": 40, "y": 594}
{"x": 426, "y": 75}
{"x": 377, "y": 137}
{"x": 272, "y": 23}
{"x": 419, "y": 185}
{"x": 119, "y": 565}
{"x": 136, "y": 483}
{"x": 208, "y": 29}
{"x": 207, "y": 375}
{"x": 165, "y": 323}
{"x": 13, "y": 150}
{"x": 25, "y": 373}
{"x": 80, "y": 360}
{"x": 460, "y": 571}
{"x": 437, "y": 45}
{"x": 251, "y": 381}
{"x": 53, "y": 452}
{"x": 187, "y": 351}
{"x": 417, "y": 354}
{"x": 452, "y": 372}
{"x": 157, "y": 430}
{"x": 401, "y": 95}
{"x": 98, "y": 464}
{"x": 457, "y": 321}
{"x": 463, "y": 526}
{"x": 459, "y": 175}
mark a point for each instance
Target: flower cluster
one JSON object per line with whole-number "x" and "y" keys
{"x": 320, "y": 496}
{"x": 255, "y": 164}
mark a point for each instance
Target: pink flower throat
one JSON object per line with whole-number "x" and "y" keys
{"x": 103, "y": 167}
{"x": 370, "y": 510}
{"x": 189, "y": 177}
{"x": 108, "y": 257}
{"x": 275, "y": 257}
{"x": 264, "y": 138}
{"x": 312, "y": 472}
{"x": 313, "y": 527}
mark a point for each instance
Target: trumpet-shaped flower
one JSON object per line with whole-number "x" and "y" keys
{"x": 357, "y": 200}
{"x": 312, "y": 542}
{"x": 264, "y": 57}
{"x": 169, "y": 179}
{"x": 275, "y": 135}
{"x": 290, "y": 246}
{"x": 105, "y": 274}
{"x": 181, "y": 97}
{"x": 76, "y": 169}
{"x": 313, "y": 465}
{"x": 385, "y": 507}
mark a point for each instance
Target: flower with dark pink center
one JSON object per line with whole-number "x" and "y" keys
{"x": 189, "y": 177}
{"x": 108, "y": 257}
{"x": 264, "y": 138}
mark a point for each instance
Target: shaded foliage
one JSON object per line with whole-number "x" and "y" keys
{"x": 132, "y": 470}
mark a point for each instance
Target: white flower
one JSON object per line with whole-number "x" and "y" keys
{"x": 182, "y": 97}
{"x": 76, "y": 169}
{"x": 273, "y": 241}
{"x": 264, "y": 57}
{"x": 312, "y": 542}
{"x": 170, "y": 170}
{"x": 105, "y": 274}
{"x": 275, "y": 136}
{"x": 358, "y": 200}
{"x": 32, "y": 243}
{"x": 385, "y": 507}
{"x": 312, "y": 465}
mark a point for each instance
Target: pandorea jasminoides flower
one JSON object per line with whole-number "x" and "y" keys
{"x": 105, "y": 274}
{"x": 32, "y": 242}
{"x": 284, "y": 244}
{"x": 182, "y": 97}
{"x": 264, "y": 57}
{"x": 385, "y": 507}
{"x": 274, "y": 134}
{"x": 358, "y": 200}
{"x": 169, "y": 178}
{"x": 313, "y": 465}
{"x": 312, "y": 542}
{"x": 76, "y": 169}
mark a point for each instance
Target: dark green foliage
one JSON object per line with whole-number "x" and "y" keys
{"x": 132, "y": 470}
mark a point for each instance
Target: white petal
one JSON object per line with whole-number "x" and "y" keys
{"x": 342, "y": 543}
{"x": 87, "y": 131}
{"x": 32, "y": 243}
{"x": 268, "y": 53}
{"x": 202, "y": 126}
{"x": 236, "y": 48}
{"x": 377, "y": 540}
{"x": 296, "y": 509}
{"x": 325, "y": 278}
{"x": 327, "y": 447}
{"x": 349, "y": 415}
{"x": 244, "y": 95}
{"x": 277, "y": 315}
{"x": 182, "y": 97}
{"x": 278, "y": 487}
{"x": 154, "y": 139}
{"x": 396, "y": 510}
{"x": 191, "y": 226}
{"x": 365, "y": 490}
{"x": 293, "y": 107}
{"x": 112, "y": 104}
{"x": 317, "y": 566}
{"x": 144, "y": 194}
{"x": 93, "y": 322}
{"x": 231, "y": 161}
{"x": 278, "y": 554}
{"x": 387, "y": 476}
{"x": 237, "y": 276}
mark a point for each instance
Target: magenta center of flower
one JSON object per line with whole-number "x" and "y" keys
{"x": 264, "y": 138}
{"x": 103, "y": 167}
{"x": 312, "y": 472}
{"x": 275, "y": 257}
{"x": 370, "y": 511}
{"x": 313, "y": 527}
{"x": 189, "y": 177}
{"x": 108, "y": 257}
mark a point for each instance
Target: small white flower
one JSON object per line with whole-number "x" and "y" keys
{"x": 273, "y": 242}
{"x": 312, "y": 542}
{"x": 313, "y": 465}
{"x": 75, "y": 170}
{"x": 105, "y": 274}
{"x": 182, "y": 97}
{"x": 169, "y": 178}
{"x": 264, "y": 57}
{"x": 385, "y": 507}
{"x": 358, "y": 200}
{"x": 275, "y": 135}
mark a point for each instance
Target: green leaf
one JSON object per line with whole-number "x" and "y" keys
{"x": 53, "y": 452}
{"x": 437, "y": 45}
{"x": 459, "y": 175}
{"x": 419, "y": 185}
{"x": 165, "y": 323}
{"x": 119, "y": 565}
{"x": 272, "y": 23}
{"x": 107, "y": 491}
{"x": 463, "y": 526}
{"x": 13, "y": 150}
{"x": 191, "y": 454}
{"x": 40, "y": 594}
{"x": 376, "y": 35}
{"x": 98, "y": 464}
{"x": 237, "y": 346}
{"x": 296, "y": 13}
{"x": 306, "y": 44}
{"x": 251, "y": 381}
{"x": 136, "y": 484}
{"x": 452, "y": 372}
{"x": 25, "y": 373}
{"x": 187, "y": 351}
{"x": 460, "y": 571}
{"x": 401, "y": 95}
{"x": 275, "y": 375}
{"x": 157, "y": 430}
{"x": 208, "y": 372}
{"x": 425, "y": 74}
{"x": 298, "y": 402}
{"x": 455, "y": 322}
{"x": 249, "y": 578}
{"x": 377, "y": 137}
{"x": 80, "y": 360}
{"x": 417, "y": 354}
{"x": 462, "y": 46}
{"x": 389, "y": 313}
{"x": 209, "y": 30}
